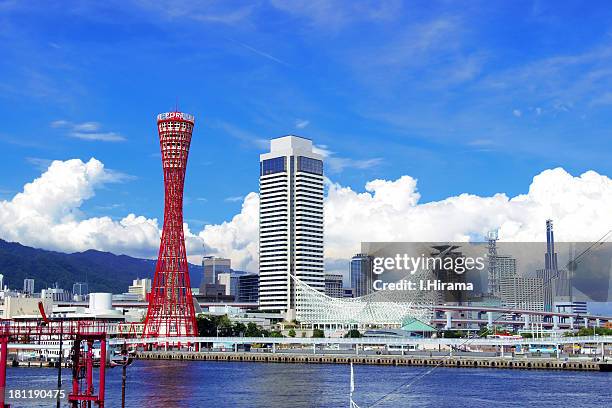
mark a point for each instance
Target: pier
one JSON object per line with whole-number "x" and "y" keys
{"x": 388, "y": 360}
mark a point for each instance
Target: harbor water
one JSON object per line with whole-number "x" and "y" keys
{"x": 157, "y": 384}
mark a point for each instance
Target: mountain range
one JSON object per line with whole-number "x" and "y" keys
{"x": 103, "y": 271}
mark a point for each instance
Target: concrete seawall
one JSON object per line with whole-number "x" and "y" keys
{"x": 391, "y": 360}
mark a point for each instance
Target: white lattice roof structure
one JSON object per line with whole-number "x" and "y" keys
{"x": 381, "y": 308}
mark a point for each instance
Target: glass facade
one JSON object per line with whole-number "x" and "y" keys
{"x": 308, "y": 165}
{"x": 361, "y": 274}
{"x": 271, "y": 166}
{"x": 248, "y": 288}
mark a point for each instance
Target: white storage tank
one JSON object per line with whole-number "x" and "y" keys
{"x": 100, "y": 302}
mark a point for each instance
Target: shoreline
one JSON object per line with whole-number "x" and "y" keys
{"x": 391, "y": 360}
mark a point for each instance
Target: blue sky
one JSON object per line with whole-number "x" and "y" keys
{"x": 474, "y": 97}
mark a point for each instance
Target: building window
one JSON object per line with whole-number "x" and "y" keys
{"x": 308, "y": 165}
{"x": 271, "y": 166}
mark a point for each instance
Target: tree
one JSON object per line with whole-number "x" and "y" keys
{"x": 239, "y": 329}
{"x": 206, "y": 326}
{"x": 224, "y": 326}
{"x": 276, "y": 333}
{"x": 318, "y": 334}
{"x": 484, "y": 332}
{"x": 291, "y": 333}
{"x": 211, "y": 326}
{"x": 353, "y": 334}
{"x": 451, "y": 334}
{"x": 252, "y": 330}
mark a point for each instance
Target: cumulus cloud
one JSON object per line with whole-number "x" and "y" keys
{"x": 236, "y": 239}
{"x": 392, "y": 211}
{"x": 47, "y": 214}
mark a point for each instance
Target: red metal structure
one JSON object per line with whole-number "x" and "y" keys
{"x": 83, "y": 392}
{"x": 78, "y": 332}
{"x": 4, "y": 338}
{"x": 171, "y": 311}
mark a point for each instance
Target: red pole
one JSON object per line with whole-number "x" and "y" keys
{"x": 102, "y": 372}
{"x": 76, "y": 356}
{"x": 89, "y": 360}
{"x": 3, "y": 356}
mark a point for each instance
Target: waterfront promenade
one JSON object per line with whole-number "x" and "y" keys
{"x": 458, "y": 361}
{"x": 477, "y": 352}
{"x": 365, "y": 341}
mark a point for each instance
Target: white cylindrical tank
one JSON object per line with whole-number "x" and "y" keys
{"x": 100, "y": 302}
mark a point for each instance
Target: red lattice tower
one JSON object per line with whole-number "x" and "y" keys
{"x": 171, "y": 312}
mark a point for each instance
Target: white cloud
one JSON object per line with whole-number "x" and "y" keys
{"x": 333, "y": 15}
{"x": 104, "y": 137}
{"x": 391, "y": 211}
{"x": 47, "y": 214}
{"x": 39, "y": 163}
{"x": 87, "y": 131}
{"x": 301, "y": 123}
{"x": 87, "y": 127}
{"x": 234, "y": 199}
{"x": 517, "y": 113}
{"x": 236, "y": 239}
{"x": 337, "y": 164}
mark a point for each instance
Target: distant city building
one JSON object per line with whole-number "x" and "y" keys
{"x": 557, "y": 287}
{"x": 140, "y": 287}
{"x": 493, "y": 281}
{"x": 448, "y": 252}
{"x": 525, "y": 293}
{"x": 224, "y": 279}
{"x": 1, "y": 281}
{"x": 28, "y": 286}
{"x": 55, "y": 294}
{"x": 505, "y": 266}
{"x": 126, "y": 297}
{"x": 348, "y": 292}
{"x": 248, "y": 288}
{"x": 214, "y": 293}
{"x": 500, "y": 266}
{"x": 571, "y": 307}
{"x": 235, "y": 282}
{"x": 550, "y": 258}
{"x": 361, "y": 274}
{"x": 13, "y": 306}
{"x": 291, "y": 222}
{"x": 79, "y": 290}
{"x": 213, "y": 266}
{"x": 333, "y": 285}
{"x": 216, "y": 270}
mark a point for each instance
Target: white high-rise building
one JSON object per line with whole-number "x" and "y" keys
{"x": 140, "y": 287}
{"x": 290, "y": 222}
{"x": 28, "y": 286}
